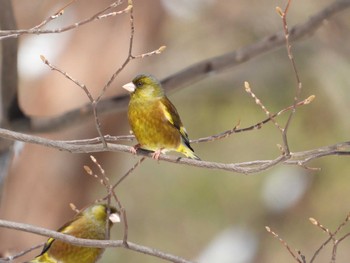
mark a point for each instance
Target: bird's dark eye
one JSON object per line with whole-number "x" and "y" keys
{"x": 139, "y": 84}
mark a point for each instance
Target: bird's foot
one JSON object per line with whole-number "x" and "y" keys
{"x": 156, "y": 154}
{"x": 134, "y": 149}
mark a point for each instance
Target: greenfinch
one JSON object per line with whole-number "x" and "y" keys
{"x": 154, "y": 119}
{"x": 90, "y": 224}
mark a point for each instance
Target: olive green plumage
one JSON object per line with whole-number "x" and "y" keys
{"x": 90, "y": 224}
{"x": 154, "y": 120}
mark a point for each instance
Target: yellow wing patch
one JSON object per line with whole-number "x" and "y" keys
{"x": 176, "y": 122}
{"x": 167, "y": 114}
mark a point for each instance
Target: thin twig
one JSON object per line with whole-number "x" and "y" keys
{"x": 124, "y": 217}
{"x": 104, "y": 180}
{"x": 284, "y": 243}
{"x": 262, "y": 106}
{"x": 130, "y": 50}
{"x": 343, "y": 237}
{"x": 320, "y": 249}
{"x": 21, "y": 253}
{"x": 346, "y": 220}
{"x": 331, "y": 237}
{"x": 235, "y": 129}
{"x": 296, "y": 74}
{"x": 37, "y": 29}
{"x": 57, "y": 14}
{"x": 324, "y": 229}
{"x": 132, "y": 169}
{"x": 129, "y": 57}
{"x": 86, "y": 91}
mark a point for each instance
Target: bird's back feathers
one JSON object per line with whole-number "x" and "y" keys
{"x": 89, "y": 224}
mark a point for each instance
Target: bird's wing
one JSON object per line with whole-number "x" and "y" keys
{"x": 65, "y": 229}
{"x": 171, "y": 115}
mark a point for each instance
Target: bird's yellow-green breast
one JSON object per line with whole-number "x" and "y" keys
{"x": 89, "y": 224}
{"x": 154, "y": 120}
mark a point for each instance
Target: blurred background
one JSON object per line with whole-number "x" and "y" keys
{"x": 198, "y": 214}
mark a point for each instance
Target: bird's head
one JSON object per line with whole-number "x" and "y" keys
{"x": 145, "y": 86}
{"x": 98, "y": 213}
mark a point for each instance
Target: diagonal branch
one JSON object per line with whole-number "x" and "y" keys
{"x": 90, "y": 242}
{"x": 202, "y": 69}
{"x": 186, "y": 76}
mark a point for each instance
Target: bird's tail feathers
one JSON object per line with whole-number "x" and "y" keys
{"x": 188, "y": 152}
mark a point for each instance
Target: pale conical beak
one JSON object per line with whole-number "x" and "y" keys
{"x": 114, "y": 218}
{"x": 129, "y": 87}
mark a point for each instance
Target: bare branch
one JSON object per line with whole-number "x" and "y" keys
{"x": 297, "y": 158}
{"x": 91, "y": 242}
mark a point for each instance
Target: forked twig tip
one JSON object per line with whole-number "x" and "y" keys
{"x": 247, "y": 86}
{"x": 43, "y": 59}
{"x": 161, "y": 49}
{"x": 93, "y": 158}
{"x": 310, "y": 99}
{"x": 73, "y": 207}
{"x": 313, "y": 221}
{"x": 279, "y": 11}
{"x": 87, "y": 169}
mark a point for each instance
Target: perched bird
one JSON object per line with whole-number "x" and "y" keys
{"x": 154, "y": 119}
{"x": 90, "y": 224}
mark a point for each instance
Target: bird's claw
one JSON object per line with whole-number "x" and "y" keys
{"x": 156, "y": 154}
{"x": 134, "y": 149}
